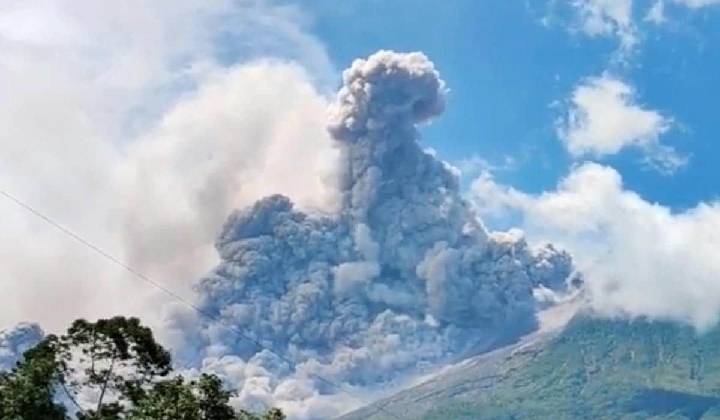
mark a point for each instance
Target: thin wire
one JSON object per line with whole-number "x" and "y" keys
{"x": 172, "y": 294}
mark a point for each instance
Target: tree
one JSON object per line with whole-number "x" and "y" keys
{"x": 213, "y": 400}
{"x": 115, "y": 359}
{"x": 272, "y": 414}
{"x": 27, "y": 391}
{"x": 201, "y": 399}
{"x": 119, "y": 362}
{"x": 169, "y": 399}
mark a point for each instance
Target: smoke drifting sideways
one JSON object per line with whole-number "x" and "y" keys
{"x": 15, "y": 341}
{"x": 404, "y": 276}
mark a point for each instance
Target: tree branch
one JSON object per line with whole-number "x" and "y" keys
{"x": 105, "y": 384}
{"x": 72, "y": 399}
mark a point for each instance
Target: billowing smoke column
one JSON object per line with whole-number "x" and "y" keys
{"x": 404, "y": 276}
{"x": 15, "y": 341}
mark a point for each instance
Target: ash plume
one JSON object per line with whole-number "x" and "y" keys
{"x": 15, "y": 341}
{"x": 403, "y": 276}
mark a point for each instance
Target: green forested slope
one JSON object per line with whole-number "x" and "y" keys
{"x": 594, "y": 369}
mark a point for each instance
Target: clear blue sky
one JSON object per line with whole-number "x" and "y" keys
{"x": 507, "y": 62}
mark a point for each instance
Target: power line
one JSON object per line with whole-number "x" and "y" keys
{"x": 174, "y": 295}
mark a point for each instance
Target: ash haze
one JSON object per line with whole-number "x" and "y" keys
{"x": 367, "y": 225}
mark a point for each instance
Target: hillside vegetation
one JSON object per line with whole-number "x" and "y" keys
{"x": 594, "y": 369}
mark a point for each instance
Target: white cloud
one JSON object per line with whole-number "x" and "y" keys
{"x": 607, "y": 18}
{"x": 656, "y": 14}
{"x": 603, "y": 119}
{"x": 615, "y": 17}
{"x": 118, "y": 119}
{"x": 476, "y": 165}
{"x": 639, "y": 258}
{"x": 248, "y": 131}
{"x": 696, "y": 4}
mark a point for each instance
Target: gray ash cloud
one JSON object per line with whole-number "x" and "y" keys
{"x": 15, "y": 341}
{"x": 402, "y": 277}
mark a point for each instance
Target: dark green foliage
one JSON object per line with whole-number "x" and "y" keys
{"x": 176, "y": 399}
{"x": 212, "y": 398}
{"x": 120, "y": 359}
{"x": 272, "y": 414}
{"x": 26, "y": 392}
{"x": 170, "y": 399}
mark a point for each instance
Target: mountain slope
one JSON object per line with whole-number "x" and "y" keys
{"x": 594, "y": 369}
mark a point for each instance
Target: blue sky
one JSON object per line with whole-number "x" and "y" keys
{"x": 507, "y": 63}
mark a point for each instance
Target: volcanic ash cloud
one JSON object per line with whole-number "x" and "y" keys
{"x": 15, "y": 341}
{"x": 403, "y": 276}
